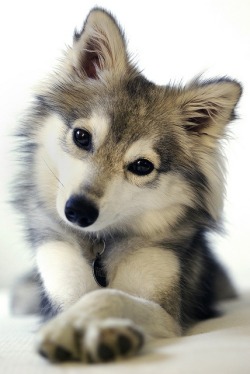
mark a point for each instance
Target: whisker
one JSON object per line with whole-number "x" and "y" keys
{"x": 53, "y": 173}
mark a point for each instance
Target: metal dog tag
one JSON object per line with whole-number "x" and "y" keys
{"x": 99, "y": 271}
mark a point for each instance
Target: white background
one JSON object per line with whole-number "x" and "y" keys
{"x": 172, "y": 41}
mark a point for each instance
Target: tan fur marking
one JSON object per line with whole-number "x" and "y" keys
{"x": 155, "y": 268}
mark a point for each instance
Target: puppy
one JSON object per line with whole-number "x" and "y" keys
{"x": 120, "y": 182}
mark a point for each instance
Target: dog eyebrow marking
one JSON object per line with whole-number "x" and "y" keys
{"x": 98, "y": 124}
{"x": 143, "y": 148}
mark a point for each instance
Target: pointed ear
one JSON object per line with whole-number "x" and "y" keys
{"x": 207, "y": 107}
{"x": 100, "y": 46}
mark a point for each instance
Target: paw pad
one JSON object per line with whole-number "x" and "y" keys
{"x": 61, "y": 354}
{"x": 105, "y": 353}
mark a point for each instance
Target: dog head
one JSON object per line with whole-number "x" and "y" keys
{"x": 117, "y": 152}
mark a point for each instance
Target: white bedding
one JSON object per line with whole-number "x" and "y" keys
{"x": 218, "y": 346}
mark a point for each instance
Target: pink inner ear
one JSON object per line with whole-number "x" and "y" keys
{"x": 90, "y": 63}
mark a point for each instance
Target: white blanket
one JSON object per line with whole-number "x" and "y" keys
{"x": 218, "y": 346}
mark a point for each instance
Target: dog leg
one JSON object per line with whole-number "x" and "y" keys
{"x": 65, "y": 273}
{"x": 104, "y": 325}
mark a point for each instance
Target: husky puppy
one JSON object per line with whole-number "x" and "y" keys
{"x": 120, "y": 182}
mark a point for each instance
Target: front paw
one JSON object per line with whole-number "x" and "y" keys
{"x": 89, "y": 340}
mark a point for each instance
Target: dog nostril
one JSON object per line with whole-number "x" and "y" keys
{"x": 70, "y": 214}
{"x": 81, "y": 211}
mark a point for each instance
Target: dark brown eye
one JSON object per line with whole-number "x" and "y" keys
{"x": 141, "y": 167}
{"x": 82, "y": 139}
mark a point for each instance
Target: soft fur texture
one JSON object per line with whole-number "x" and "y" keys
{"x": 113, "y": 162}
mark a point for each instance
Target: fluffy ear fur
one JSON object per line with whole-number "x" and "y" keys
{"x": 207, "y": 107}
{"x": 100, "y": 46}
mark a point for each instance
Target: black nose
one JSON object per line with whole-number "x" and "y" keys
{"x": 81, "y": 211}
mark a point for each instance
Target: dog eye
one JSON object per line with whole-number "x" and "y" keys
{"x": 141, "y": 167}
{"x": 82, "y": 139}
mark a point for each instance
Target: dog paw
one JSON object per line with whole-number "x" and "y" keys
{"x": 89, "y": 341}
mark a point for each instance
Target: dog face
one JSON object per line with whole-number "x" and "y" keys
{"x": 117, "y": 152}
